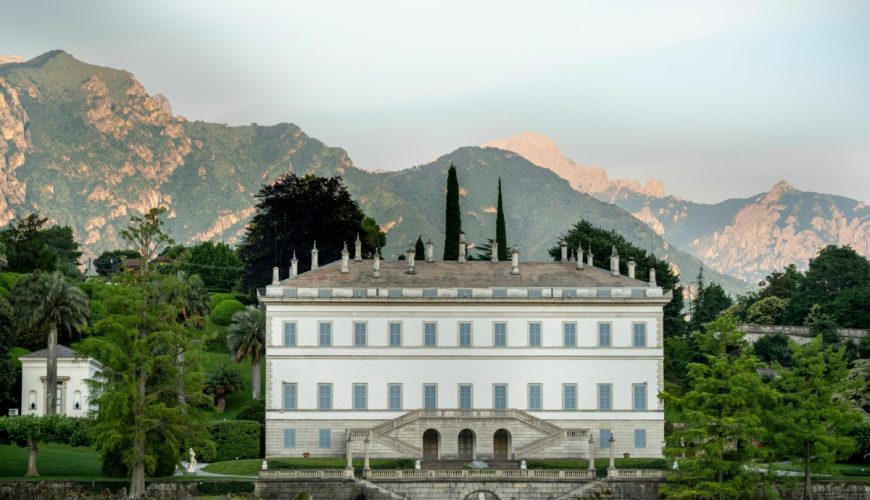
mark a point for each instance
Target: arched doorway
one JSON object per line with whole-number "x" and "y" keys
{"x": 501, "y": 444}
{"x": 430, "y": 444}
{"x": 466, "y": 444}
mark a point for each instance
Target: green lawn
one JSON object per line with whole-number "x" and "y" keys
{"x": 236, "y": 400}
{"x": 53, "y": 461}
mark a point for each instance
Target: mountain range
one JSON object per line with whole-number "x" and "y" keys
{"x": 88, "y": 147}
{"x": 743, "y": 237}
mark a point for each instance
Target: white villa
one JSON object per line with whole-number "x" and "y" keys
{"x": 73, "y": 394}
{"x": 463, "y": 360}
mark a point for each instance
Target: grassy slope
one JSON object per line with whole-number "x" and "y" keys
{"x": 53, "y": 461}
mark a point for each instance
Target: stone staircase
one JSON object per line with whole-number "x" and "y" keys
{"x": 374, "y": 492}
{"x": 593, "y": 489}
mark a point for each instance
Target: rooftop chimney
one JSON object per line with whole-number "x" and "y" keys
{"x": 345, "y": 257}
{"x": 377, "y": 266}
{"x": 631, "y": 265}
{"x": 275, "y": 279}
{"x": 430, "y": 251}
{"x": 409, "y": 258}
{"x": 579, "y": 255}
{"x": 314, "y": 263}
{"x": 461, "y": 246}
{"x": 357, "y": 249}
{"x": 614, "y": 262}
{"x": 494, "y": 251}
{"x": 294, "y": 265}
{"x": 652, "y": 277}
{"x": 515, "y": 261}
{"x": 564, "y": 245}
{"x": 590, "y": 259}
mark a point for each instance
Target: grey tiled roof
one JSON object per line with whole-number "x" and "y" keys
{"x": 474, "y": 274}
{"x": 63, "y": 352}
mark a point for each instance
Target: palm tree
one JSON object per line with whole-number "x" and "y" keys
{"x": 246, "y": 337}
{"x": 222, "y": 382}
{"x": 49, "y": 301}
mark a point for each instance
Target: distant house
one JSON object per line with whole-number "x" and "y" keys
{"x": 73, "y": 393}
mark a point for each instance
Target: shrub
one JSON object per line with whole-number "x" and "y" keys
{"x": 224, "y": 487}
{"x": 233, "y": 439}
{"x": 217, "y": 298}
{"x": 254, "y": 410}
{"x": 223, "y": 312}
{"x": 861, "y": 434}
{"x": 8, "y": 280}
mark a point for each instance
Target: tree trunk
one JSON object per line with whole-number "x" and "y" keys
{"x": 51, "y": 375}
{"x": 255, "y": 379}
{"x": 808, "y": 487}
{"x": 32, "y": 446}
{"x": 137, "y": 476}
{"x": 221, "y": 403}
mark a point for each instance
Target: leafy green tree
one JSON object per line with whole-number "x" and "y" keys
{"x": 722, "y": 415}
{"x": 822, "y": 324}
{"x": 61, "y": 241}
{"x": 47, "y": 301}
{"x": 372, "y": 235}
{"x": 811, "y": 424}
{"x": 767, "y": 311}
{"x": 140, "y": 418}
{"x": 774, "y": 349}
{"x": 109, "y": 262}
{"x": 500, "y": 228}
{"x": 217, "y": 264}
{"x": 858, "y": 386}
{"x": 834, "y": 272}
{"x": 292, "y": 214}
{"x": 146, "y": 235}
{"x": 7, "y": 339}
{"x": 246, "y": 338}
{"x": 419, "y": 249}
{"x": 710, "y": 300}
{"x": 782, "y": 284}
{"x": 221, "y": 382}
{"x": 26, "y": 249}
{"x": 452, "y": 216}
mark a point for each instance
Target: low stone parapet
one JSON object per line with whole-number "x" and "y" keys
{"x": 480, "y": 474}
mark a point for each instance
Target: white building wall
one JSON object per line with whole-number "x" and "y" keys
{"x": 71, "y": 372}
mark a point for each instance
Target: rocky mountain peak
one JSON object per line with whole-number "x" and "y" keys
{"x": 778, "y": 190}
{"x": 544, "y": 152}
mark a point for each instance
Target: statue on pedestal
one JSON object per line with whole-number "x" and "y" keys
{"x": 191, "y": 466}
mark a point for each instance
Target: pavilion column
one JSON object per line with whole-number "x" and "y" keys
{"x": 611, "y": 470}
{"x": 591, "y": 467}
{"x": 348, "y": 470}
{"x": 366, "y": 467}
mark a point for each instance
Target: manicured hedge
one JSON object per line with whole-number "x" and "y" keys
{"x": 224, "y": 487}
{"x": 233, "y": 439}
{"x": 223, "y": 312}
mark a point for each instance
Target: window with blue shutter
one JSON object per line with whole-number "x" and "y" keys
{"x": 289, "y": 399}
{"x": 534, "y": 334}
{"x": 640, "y": 438}
{"x": 360, "y": 330}
{"x": 639, "y": 335}
{"x": 569, "y": 396}
{"x": 604, "y": 438}
{"x": 465, "y": 334}
{"x": 500, "y": 335}
{"x": 605, "y": 396}
{"x": 499, "y": 396}
{"x": 569, "y": 334}
{"x": 324, "y": 396}
{"x": 360, "y": 396}
{"x": 395, "y": 334}
{"x": 430, "y": 396}
{"x": 395, "y": 396}
{"x": 325, "y": 438}
{"x": 324, "y": 334}
{"x": 465, "y": 397}
{"x": 289, "y": 438}
{"x": 430, "y": 334}
{"x": 289, "y": 333}
{"x": 604, "y": 335}
{"x": 535, "y": 396}
{"x": 639, "y": 396}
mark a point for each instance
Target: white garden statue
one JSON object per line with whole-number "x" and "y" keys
{"x": 191, "y": 466}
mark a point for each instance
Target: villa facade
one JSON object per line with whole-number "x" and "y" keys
{"x": 463, "y": 360}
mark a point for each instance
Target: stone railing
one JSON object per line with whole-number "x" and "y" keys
{"x": 795, "y": 331}
{"x": 426, "y": 474}
{"x": 634, "y": 473}
{"x": 302, "y": 474}
{"x": 487, "y": 413}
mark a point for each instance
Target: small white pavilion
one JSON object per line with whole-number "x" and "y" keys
{"x": 73, "y": 393}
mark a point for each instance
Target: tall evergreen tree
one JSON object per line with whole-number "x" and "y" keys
{"x": 500, "y": 230}
{"x": 452, "y": 217}
{"x": 419, "y": 249}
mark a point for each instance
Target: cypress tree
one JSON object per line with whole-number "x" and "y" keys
{"x": 419, "y": 249}
{"x": 453, "y": 220}
{"x": 500, "y": 231}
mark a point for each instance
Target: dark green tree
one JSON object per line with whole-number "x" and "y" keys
{"x": 217, "y": 264}
{"x": 109, "y": 262}
{"x": 722, "y": 414}
{"x": 834, "y": 274}
{"x": 767, "y": 311}
{"x": 782, "y": 284}
{"x": 500, "y": 229}
{"x": 452, "y": 216}
{"x": 60, "y": 240}
{"x": 773, "y": 349}
{"x": 146, "y": 235}
{"x": 26, "y": 249}
{"x": 419, "y": 249}
{"x": 221, "y": 382}
{"x": 710, "y": 300}
{"x": 47, "y": 302}
{"x": 291, "y": 215}
{"x": 811, "y": 423}
{"x": 7, "y": 339}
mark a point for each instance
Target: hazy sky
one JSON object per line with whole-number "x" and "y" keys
{"x": 716, "y": 99}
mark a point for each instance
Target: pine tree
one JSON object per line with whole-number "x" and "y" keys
{"x": 419, "y": 249}
{"x": 500, "y": 230}
{"x": 452, "y": 217}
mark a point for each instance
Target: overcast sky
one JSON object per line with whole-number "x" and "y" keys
{"x": 716, "y": 100}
